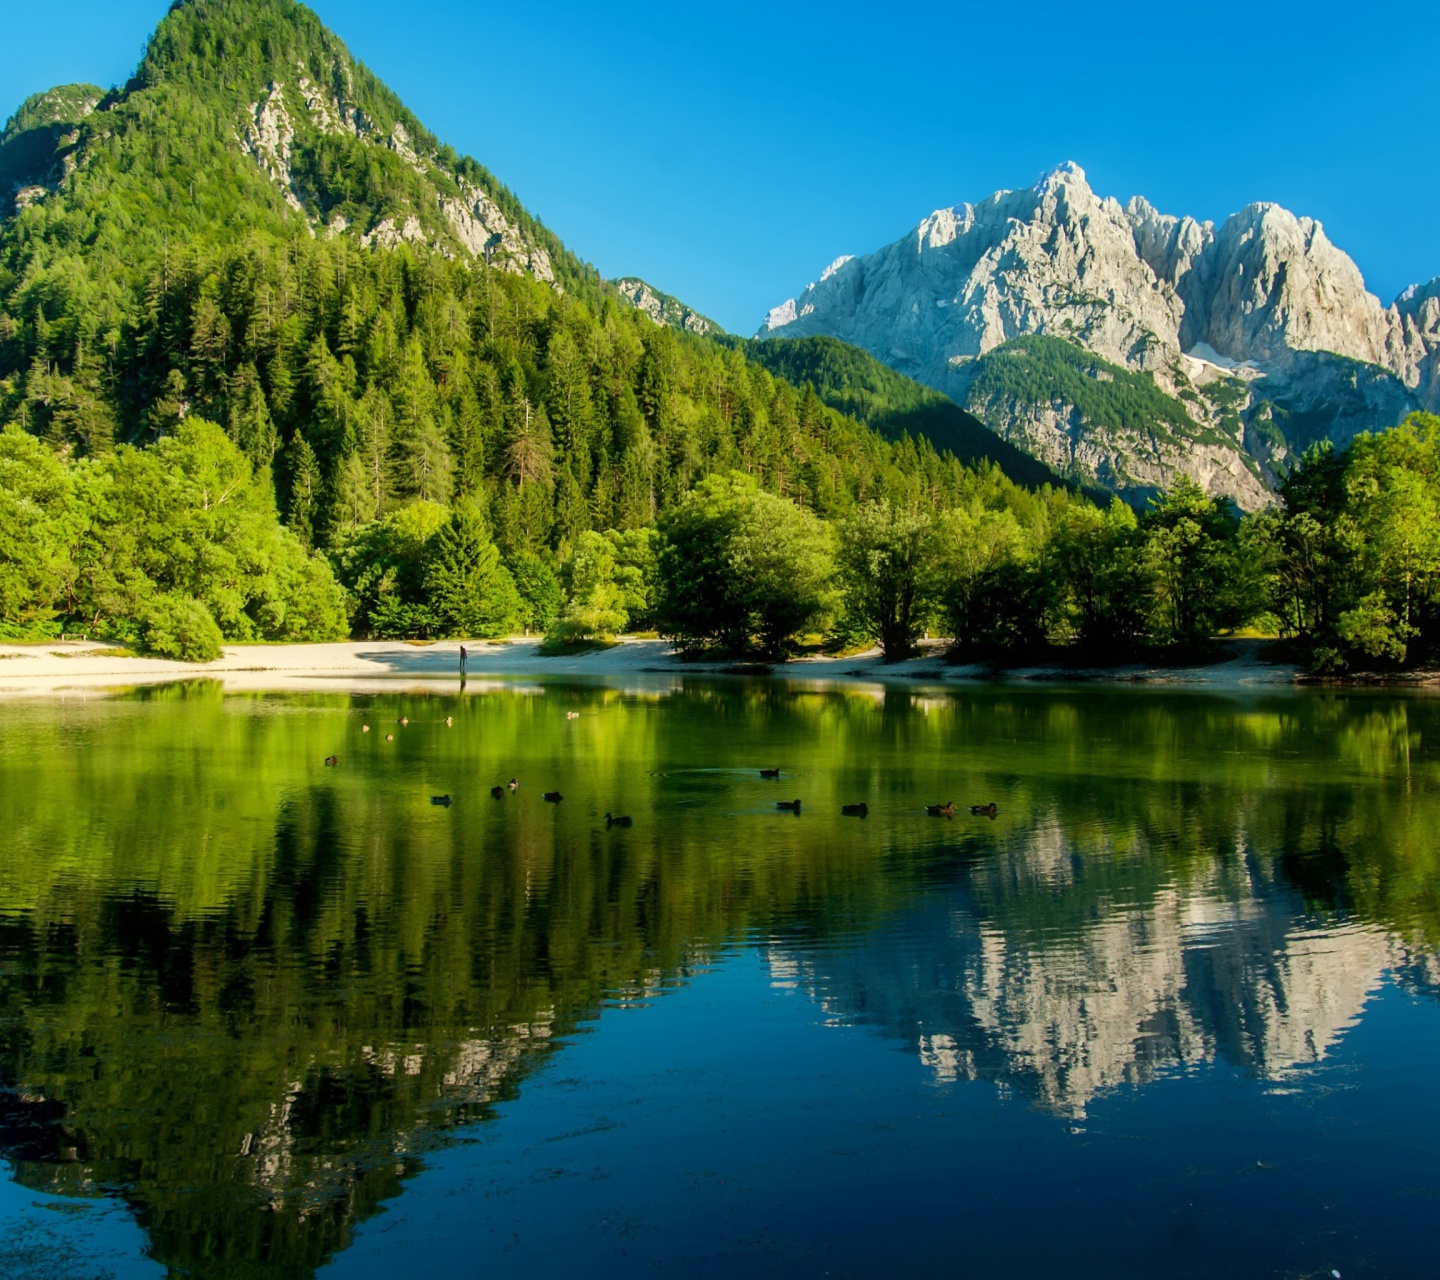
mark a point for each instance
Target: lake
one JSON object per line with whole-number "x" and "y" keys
{"x": 1171, "y": 1011}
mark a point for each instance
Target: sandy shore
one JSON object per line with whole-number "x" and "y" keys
{"x": 77, "y": 668}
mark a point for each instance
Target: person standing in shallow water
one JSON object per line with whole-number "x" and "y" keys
{"x": 464, "y": 657}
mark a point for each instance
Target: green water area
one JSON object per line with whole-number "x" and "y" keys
{"x": 285, "y": 991}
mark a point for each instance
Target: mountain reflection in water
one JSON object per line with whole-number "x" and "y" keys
{"x": 248, "y": 994}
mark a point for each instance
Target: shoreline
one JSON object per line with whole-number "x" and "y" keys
{"x": 61, "y": 668}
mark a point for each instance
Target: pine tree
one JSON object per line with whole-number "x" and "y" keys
{"x": 470, "y": 592}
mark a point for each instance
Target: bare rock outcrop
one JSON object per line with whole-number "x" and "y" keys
{"x": 1265, "y": 299}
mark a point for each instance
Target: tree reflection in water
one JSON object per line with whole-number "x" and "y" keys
{"x": 248, "y": 993}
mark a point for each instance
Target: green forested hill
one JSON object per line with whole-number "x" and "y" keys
{"x": 255, "y": 232}
{"x": 858, "y": 385}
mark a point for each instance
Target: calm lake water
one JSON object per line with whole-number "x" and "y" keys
{"x": 1172, "y": 1012}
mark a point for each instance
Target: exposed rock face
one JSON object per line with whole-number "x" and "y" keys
{"x": 470, "y": 223}
{"x": 38, "y": 143}
{"x": 1265, "y": 299}
{"x": 662, "y": 308}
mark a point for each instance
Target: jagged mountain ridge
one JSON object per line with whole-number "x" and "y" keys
{"x": 1262, "y": 315}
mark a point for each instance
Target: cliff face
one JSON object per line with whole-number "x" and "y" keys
{"x": 1264, "y": 305}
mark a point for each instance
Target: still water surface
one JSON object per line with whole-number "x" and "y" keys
{"x": 1172, "y": 1012}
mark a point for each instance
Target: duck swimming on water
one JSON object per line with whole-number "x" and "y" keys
{"x": 612, "y": 821}
{"x": 793, "y": 806}
{"x": 941, "y": 810}
{"x": 514, "y": 784}
{"x": 332, "y": 762}
{"x": 855, "y": 810}
{"x": 770, "y": 773}
{"x": 442, "y": 801}
{"x": 552, "y": 797}
{"x": 985, "y": 810}
{"x": 497, "y": 793}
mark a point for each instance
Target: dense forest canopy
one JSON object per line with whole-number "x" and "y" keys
{"x": 253, "y": 261}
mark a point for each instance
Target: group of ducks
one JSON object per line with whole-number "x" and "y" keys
{"x": 862, "y": 810}
{"x": 496, "y": 793}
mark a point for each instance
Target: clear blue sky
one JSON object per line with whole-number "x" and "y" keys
{"x": 727, "y": 153}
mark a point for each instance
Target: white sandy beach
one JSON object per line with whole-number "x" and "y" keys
{"x": 76, "y": 667}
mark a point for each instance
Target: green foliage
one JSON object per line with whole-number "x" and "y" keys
{"x": 125, "y": 544}
{"x": 1039, "y": 370}
{"x": 740, "y": 568}
{"x": 541, "y": 595}
{"x": 887, "y": 561}
{"x": 1353, "y": 560}
{"x": 1098, "y": 571}
{"x": 371, "y": 402}
{"x": 595, "y": 609}
{"x": 990, "y": 594}
{"x": 40, "y": 521}
{"x": 469, "y": 592}
{"x": 176, "y": 626}
{"x": 166, "y": 279}
{"x": 858, "y": 385}
{"x": 382, "y": 568}
{"x": 1196, "y": 566}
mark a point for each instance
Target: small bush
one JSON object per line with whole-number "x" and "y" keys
{"x": 182, "y": 628}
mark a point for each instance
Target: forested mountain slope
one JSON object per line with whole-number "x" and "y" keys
{"x": 858, "y": 385}
{"x": 255, "y": 232}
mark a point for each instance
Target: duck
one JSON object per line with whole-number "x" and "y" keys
{"x": 364, "y": 728}
{"x": 389, "y": 737}
{"x": 442, "y": 801}
{"x": 497, "y": 793}
{"x": 552, "y": 797}
{"x": 514, "y": 784}
{"x": 941, "y": 810}
{"x": 855, "y": 810}
{"x": 572, "y": 715}
{"x": 332, "y": 762}
{"x": 449, "y": 722}
{"x": 770, "y": 773}
{"x": 985, "y": 810}
{"x": 792, "y": 805}
{"x": 612, "y": 821}
{"x": 404, "y": 720}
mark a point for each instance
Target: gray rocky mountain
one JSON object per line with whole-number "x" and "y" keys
{"x": 1251, "y": 340}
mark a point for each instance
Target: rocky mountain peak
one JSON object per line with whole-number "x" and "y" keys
{"x": 273, "y": 93}
{"x": 1171, "y": 297}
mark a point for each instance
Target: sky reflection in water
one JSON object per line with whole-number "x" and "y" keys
{"x": 1174, "y": 1008}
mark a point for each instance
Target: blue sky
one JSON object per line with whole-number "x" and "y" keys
{"x": 728, "y": 153}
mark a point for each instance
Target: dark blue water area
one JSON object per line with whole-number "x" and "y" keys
{"x": 61, "y": 1238}
{"x": 732, "y": 1128}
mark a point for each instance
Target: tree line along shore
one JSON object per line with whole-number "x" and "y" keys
{"x": 178, "y": 547}
{"x": 303, "y": 440}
